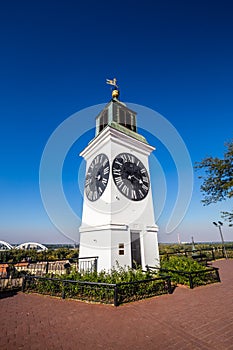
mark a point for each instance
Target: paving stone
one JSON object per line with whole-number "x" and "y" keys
{"x": 200, "y": 319}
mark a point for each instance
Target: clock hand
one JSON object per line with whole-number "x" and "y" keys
{"x": 130, "y": 177}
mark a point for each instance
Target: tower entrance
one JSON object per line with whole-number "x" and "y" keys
{"x": 135, "y": 249}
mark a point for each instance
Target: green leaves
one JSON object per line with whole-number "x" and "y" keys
{"x": 218, "y": 179}
{"x": 181, "y": 264}
{"x": 118, "y": 275}
{"x": 115, "y": 287}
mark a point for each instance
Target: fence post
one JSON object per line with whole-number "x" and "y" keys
{"x": 190, "y": 281}
{"x": 24, "y": 283}
{"x": 63, "y": 295}
{"x": 213, "y": 256}
{"x": 169, "y": 285}
{"x": 217, "y": 274}
{"x": 223, "y": 255}
{"x": 47, "y": 267}
{"x": 116, "y": 296}
{"x": 95, "y": 265}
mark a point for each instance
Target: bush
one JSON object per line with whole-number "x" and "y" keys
{"x": 118, "y": 275}
{"x": 183, "y": 265}
{"x": 143, "y": 285}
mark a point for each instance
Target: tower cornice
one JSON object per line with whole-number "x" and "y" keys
{"x": 111, "y": 132}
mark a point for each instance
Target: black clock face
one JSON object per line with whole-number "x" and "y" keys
{"x": 130, "y": 176}
{"x": 97, "y": 177}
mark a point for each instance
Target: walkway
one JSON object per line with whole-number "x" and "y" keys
{"x": 201, "y": 318}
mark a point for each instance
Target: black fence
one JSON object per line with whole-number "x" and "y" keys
{"x": 115, "y": 294}
{"x": 132, "y": 291}
{"x": 203, "y": 255}
{"x": 33, "y": 277}
{"x": 193, "y": 279}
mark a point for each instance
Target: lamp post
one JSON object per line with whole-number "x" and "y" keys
{"x": 193, "y": 245}
{"x": 219, "y": 224}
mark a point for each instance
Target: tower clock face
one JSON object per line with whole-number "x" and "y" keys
{"x": 97, "y": 177}
{"x": 130, "y": 176}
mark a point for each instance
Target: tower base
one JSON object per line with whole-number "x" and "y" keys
{"x": 119, "y": 245}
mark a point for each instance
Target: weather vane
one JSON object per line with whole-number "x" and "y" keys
{"x": 112, "y": 82}
{"x": 115, "y": 91}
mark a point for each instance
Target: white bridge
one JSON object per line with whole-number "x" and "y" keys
{"x": 25, "y": 246}
{"x": 5, "y": 246}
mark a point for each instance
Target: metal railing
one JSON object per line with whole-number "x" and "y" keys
{"x": 108, "y": 293}
{"x": 88, "y": 264}
{"x": 137, "y": 290}
{"x": 202, "y": 255}
{"x": 193, "y": 279}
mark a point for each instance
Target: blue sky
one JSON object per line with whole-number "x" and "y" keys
{"x": 174, "y": 57}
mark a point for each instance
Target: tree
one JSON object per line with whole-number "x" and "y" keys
{"x": 218, "y": 179}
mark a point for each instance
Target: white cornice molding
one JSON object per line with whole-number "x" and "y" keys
{"x": 152, "y": 228}
{"x": 121, "y": 227}
{"x": 117, "y": 137}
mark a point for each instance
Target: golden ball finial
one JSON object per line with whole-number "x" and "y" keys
{"x": 115, "y": 93}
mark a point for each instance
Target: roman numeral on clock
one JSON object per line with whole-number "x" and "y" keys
{"x": 105, "y": 162}
{"x": 95, "y": 196}
{"x": 104, "y": 181}
{"x": 133, "y": 194}
{"x": 96, "y": 160}
{"x": 131, "y": 158}
{"x": 88, "y": 190}
{"x": 106, "y": 170}
{"x": 125, "y": 190}
{"x": 118, "y": 163}
{"x": 116, "y": 171}
{"x": 124, "y": 158}
{"x": 141, "y": 194}
{"x": 144, "y": 187}
{"x": 119, "y": 181}
{"x": 145, "y": 179}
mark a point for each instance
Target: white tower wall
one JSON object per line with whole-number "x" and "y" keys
{"x": 107, "y": 223}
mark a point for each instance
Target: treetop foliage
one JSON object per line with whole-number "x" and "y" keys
{"x": 218, "y": 179}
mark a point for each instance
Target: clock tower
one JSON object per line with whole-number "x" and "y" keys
{"x": 118, "y": 222}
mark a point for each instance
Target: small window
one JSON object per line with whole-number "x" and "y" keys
{"x": 122, "y": 117}
{"x": 115, "y": 113}
{"x": 128, "y": 121}
{"x": 121, "y": 249}
{"x": 133, "y": 122}
{"x": 103, "y": 120}
{"x": 101, "y": 126}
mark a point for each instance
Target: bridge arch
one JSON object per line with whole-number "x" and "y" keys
{"x": 32, "y": 245}
{"x": 5, "y": 246}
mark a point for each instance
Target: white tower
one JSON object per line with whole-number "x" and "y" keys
{"x": 118, "y": 222}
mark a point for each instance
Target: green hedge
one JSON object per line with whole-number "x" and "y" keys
{"x": 186, "y": 265}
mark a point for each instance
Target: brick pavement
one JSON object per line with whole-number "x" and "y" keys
{"x": 201, "y": 318}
